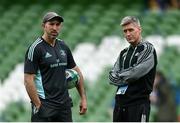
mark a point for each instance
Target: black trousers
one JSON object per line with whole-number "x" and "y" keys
{"x": 51, "y": 115}
{"x": 134, "y": 113}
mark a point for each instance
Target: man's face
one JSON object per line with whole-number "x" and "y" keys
{"x": 132, "y": 33}
{"x": 52, "y": 28}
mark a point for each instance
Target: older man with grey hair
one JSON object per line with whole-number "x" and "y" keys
{"x": 133, "y": 74}
{"x": 130, "y": 19}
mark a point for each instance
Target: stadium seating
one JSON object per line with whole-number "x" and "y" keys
{"x": 84, "y": 29}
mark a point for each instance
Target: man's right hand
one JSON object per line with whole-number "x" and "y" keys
{"x": 38, "y": 105}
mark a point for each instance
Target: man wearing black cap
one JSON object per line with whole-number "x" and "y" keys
{"x": 44, "y": 75}
{"x": 133, "y": 74}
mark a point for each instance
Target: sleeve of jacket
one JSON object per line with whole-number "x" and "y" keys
{"x": 144, "y": 64}
{"x": 113, "y": 74}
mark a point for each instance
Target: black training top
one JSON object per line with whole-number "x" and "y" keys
{"x": 135, "y": 69}
{"x": 49, "y": 64}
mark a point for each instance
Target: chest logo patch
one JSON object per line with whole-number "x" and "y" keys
{"x": 62, "y": 52}
{"x": 47, "y": 55}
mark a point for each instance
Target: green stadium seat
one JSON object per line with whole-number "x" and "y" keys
{"x": 96, "y": 7}
{"x": 172, "y": 14}
{"x": 112, "y": 13}
{"x": 1, "y": 58}
{"x": 18, "y": 30}
{"x": 7, "y": 23}
{"x": 3, "y": 30}
{"x": 125, "y": 4}
{"x": 76, "y": 7}
{"x": 17, "y": 8}
{"x": 166, "y": 29}
{"x": 171, "y": 21}
{"x": 10, "y": 15}
{"x": 91, "y": 14}
{"x": 1, "y": 8}
{"x": 89, "y": 17}
{"x": 107, "y": 21}
{"x": 149, "y": 20}
{"x": 37, "y": 8}
{"x": 116, "y": 7}
{"x": 132, "y": 13}
{"x": 147, "y": 30}
{"x": 56, "y": 8}
{"x": 153, "y": 14}
{"x": 136, "y": 6}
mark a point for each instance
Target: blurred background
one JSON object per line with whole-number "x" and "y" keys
{"x": 91, "y": 29}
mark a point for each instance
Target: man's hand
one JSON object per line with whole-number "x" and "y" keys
{"x": 115, "y": 79}
{"x": 38, "y": 105}
{"x": 83, "y": 106}
{"x": 81, "y": 90}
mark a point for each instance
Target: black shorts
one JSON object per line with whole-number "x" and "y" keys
{"x": 45, "y": 114}
{"x": 134, "y": 113}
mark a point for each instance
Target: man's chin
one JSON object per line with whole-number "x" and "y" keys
{"x": 130, "y": 41}
{"x": 54, "y": 36}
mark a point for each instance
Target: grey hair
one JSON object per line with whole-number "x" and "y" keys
{"x": 130, "y": 19}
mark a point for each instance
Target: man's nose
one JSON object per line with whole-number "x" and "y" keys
{"x": 127, "y": 33}
{"x": 55, "y": 27}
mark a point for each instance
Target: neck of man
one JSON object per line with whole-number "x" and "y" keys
{"x": 50, "y": 40}
{"x": 137, "y": 42}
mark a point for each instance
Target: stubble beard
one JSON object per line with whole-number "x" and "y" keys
{"x": 52, "y": 37}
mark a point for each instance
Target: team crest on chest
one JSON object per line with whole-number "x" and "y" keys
{"x": 62, "y": 53}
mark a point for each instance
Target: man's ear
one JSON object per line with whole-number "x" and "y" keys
{"x": 43, "y": 25}
{"x": 140, "y": 29}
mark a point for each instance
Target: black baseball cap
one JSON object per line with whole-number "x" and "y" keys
{"x": 52, "y": 15}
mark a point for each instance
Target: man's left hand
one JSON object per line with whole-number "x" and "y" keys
{"x": 83, "y": 107}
